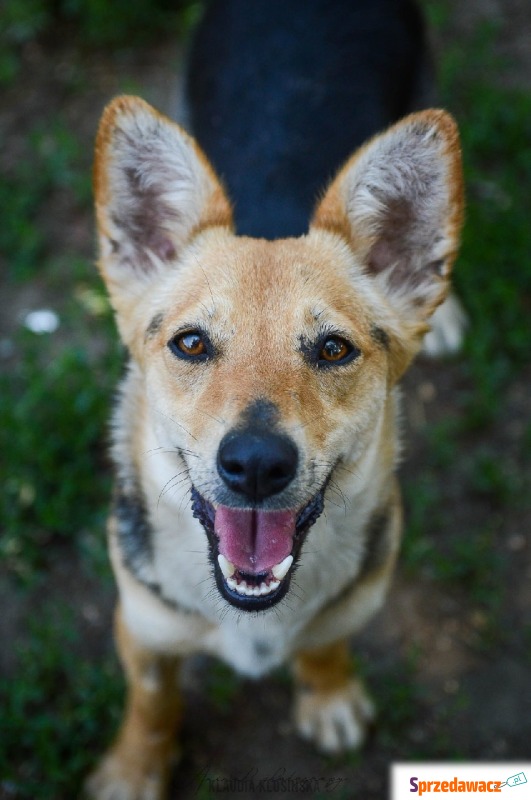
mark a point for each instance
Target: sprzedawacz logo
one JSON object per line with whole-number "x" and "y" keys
{"x": 472, "y": 781}
{"x": 455, "y": 785}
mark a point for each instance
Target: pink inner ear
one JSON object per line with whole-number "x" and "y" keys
{"x": 381, "y": 256}
{"x": 162, "y": 246}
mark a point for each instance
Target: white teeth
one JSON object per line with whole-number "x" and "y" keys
{"x": 282, "y": 569}
{"x": 279, "y": 572}
{"x": 226, "y": 567}
{"x": 252, "y": 591}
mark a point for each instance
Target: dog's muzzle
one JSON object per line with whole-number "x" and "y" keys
{"x": 254, "y": 548}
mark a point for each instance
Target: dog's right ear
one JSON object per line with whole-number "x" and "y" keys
{"x": 154, "y": 190}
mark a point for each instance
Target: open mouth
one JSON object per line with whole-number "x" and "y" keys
{"x": 254, "y": 552}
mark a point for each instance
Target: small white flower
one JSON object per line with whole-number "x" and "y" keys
{"x": 42, "y": 321}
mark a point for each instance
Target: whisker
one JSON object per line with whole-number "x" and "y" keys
{"x": 202, "y": 582}
{"x": 176, "y": 423}
{"x": 159, "y": 451}
{"x": 183, "y": 498}
{"x": 171, "y": 481}
{"x": 333, "y": 487}
{"x": 294, "y": 591}
{"x": 355, "y": 473}
{"x": 209, "y": 286}
{"x": 207, "y": 414}
{"x": 186, "y": 452}
{"x": 176, "y": 486}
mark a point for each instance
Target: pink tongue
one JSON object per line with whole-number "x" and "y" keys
{"x": 254, "y": 541}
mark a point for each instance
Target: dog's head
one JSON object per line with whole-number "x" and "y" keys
{"x": 268, "y": 365}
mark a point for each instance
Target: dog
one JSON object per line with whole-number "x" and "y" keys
{"x": 256, "y": 513}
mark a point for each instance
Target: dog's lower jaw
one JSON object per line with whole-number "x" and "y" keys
{"x": 251, "y": 593}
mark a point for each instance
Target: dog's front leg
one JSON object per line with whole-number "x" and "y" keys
{"x": 332, "y": 707}
{"x": 138, "y": 765}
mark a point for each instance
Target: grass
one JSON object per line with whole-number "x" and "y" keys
{"x": 65, "y": 698}
{"x": 54, "y": 472}
{"x": 493, "y": 279}
{"x": 95, "y": 23}
{"x": 55, "y": 393}
{"x": 493, "y": 275}
{"x": 55, "y": 161}
{"x": 400, "y": 694}
{"x": 222, "y": 686}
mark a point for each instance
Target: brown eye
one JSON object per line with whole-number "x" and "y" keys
{"x": 192, "y": 345}
{"x": 334, "y": 349}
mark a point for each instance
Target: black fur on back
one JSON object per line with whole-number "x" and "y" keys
{"x": 281, "y": 92}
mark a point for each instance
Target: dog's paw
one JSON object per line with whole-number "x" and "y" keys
{"x": 448, "y": 326}
{"x": 117, "y": 779}
{"x": 334, "y": 720}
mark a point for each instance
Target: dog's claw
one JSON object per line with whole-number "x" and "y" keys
{"x": 334, "y": 720}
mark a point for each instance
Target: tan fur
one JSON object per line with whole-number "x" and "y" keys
{"x": 326, "y": 669}
{"x": 330, "y": 706}
{"x": 139, "y": 763}
{"x": 373, "y": 267}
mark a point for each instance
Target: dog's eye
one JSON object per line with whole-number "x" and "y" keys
{"x": 192, "y": 345}
{"x": 335, "y": 350}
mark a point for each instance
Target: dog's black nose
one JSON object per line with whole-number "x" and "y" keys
{"x": 257, "y": 465}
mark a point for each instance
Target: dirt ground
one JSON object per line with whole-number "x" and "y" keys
{"x": 446, "y": 688}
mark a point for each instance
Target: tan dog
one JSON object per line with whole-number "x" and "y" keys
{"x": 261, "y": 392}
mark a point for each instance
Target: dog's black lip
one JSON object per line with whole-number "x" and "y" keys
{"x": 205, "y": 512}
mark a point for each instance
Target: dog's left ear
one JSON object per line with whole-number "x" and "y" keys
{"x": 399, "y": 202}
{"x": 154, "y": 190}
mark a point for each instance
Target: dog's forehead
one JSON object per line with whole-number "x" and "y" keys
{"x": 282, "y": 265}
{"x": 303, "y": 277}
